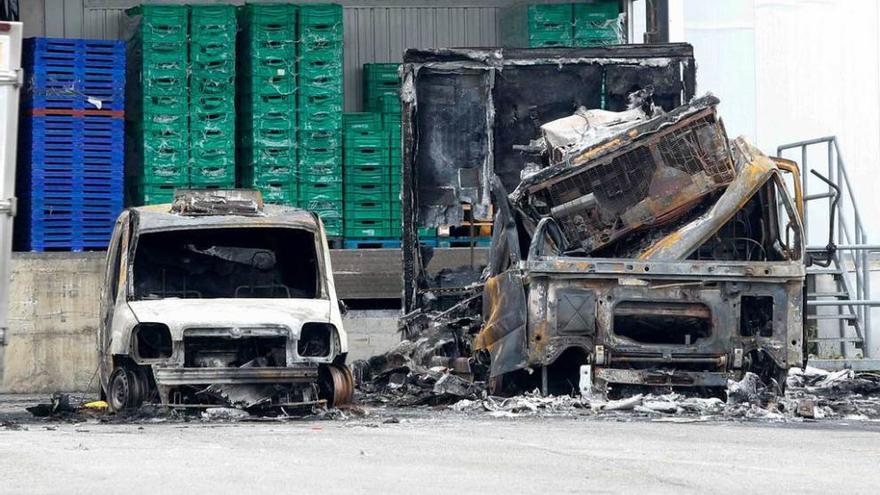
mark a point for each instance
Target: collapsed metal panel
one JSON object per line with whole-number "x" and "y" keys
{"x": 520, "y": 90}
{"x": 650, "y": 174}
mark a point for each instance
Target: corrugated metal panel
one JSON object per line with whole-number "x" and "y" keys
{"x": 372, "y": 34}
{"x": 381, "y": 34}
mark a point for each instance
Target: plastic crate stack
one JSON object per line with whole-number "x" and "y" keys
{"x": 597, "y": 24}
{"x": 268, "y": 101}
{"x": 158, "y": 110}
{"x": 70, "y": 180}
{"x": 320, "y": 113}
{"x": 381, "y": 86}
{"x": 550, "y": 25}
{"x": 212, "y": 36}
{"x": 369, "y": 202}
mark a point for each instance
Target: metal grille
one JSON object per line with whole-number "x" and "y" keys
{"x": 696, "y": 148}
{"x": 625, "y": 181}
{"x": 621, "y": 182}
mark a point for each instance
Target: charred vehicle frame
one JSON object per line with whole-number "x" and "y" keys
{"x": 218, "y": 299}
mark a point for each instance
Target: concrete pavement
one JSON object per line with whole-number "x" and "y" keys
{"x": 442, "y": 452}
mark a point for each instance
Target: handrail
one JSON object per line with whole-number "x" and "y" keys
{"x": 850, "y": 233}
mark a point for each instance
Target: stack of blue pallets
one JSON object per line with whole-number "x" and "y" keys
{"x": 70, "y": 180}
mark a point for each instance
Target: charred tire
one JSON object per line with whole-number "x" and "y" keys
{"x": 336, "y": 385}
{"x": 119, "y": 390}
{"x": 127, "y": 389}
{"x": 138, "y": 383}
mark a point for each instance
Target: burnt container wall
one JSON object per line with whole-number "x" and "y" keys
{"x": 527, "y": 87}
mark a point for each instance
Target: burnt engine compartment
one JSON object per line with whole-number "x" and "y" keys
{"x": 234, "y": 352}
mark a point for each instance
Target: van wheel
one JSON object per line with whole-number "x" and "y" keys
{"x": 336, "y": 384}
{"x": 119, "y": 390}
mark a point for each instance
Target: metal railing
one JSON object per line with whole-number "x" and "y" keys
{"x": 851, "y": 255}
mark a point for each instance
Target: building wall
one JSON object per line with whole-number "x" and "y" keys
{"x": 789, "y": 70}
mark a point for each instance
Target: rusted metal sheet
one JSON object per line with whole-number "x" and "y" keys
{"x": 646, "y": 172}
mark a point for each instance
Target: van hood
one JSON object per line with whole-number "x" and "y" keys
{"x": 180, "y": 314}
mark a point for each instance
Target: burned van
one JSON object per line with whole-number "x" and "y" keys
{"x": 217, "y": 299}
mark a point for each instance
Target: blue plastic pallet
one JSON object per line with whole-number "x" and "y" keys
{"x": 72, "y": 74}
{"x": 371, "y": 243}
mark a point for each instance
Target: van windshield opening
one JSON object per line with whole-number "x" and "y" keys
{"x": 227, "y": 263}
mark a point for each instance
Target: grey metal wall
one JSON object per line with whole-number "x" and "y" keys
{"x": 373, "y": 33}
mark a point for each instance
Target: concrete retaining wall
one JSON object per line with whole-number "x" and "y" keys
{"x": 53, "y": 318}
{"x": 54, "y": 301}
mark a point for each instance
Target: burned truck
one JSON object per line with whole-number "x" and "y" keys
{"x": 649, "y": 253}
{"x": 218, "y": 299}
{"x": 635, "y": 246}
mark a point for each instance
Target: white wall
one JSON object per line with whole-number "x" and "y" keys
{"x": 789, "y": 70}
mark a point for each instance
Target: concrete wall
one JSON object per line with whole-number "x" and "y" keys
{"x": 54, "y": 317}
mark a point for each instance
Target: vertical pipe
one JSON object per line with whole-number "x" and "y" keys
{"x": 804, "y": 175}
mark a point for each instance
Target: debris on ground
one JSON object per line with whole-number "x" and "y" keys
{"x": 58, "y": 405}
{"x": 425, "y": 371}
{"x": 811, "y": 394}
{"x": 224, "y": 414}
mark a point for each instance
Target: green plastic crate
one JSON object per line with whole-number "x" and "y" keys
{"x": 364, "y": 139}
{"x": 320, "y": 22}
{"x": 331, "y": 210}
{"x": 366, "y": 174}
{"x": 153, "y": 194}
{"x": 212, "y": 22}
{"x": 326, "y": 140}
{"x": 309, "y": 191}
{"x": 160, "y": 52}
{"x": 311, "y": 80}
{"x": 268, "y": 173}
{"x": 366, "y": 156}
{"x": 370, "y": 208}
{"x": 221, "y": 173}
{"x": 550, "y": 40}
{"x": 163, "y": 174}
{"x": 212, "y": 84}
{"x": 314, "y": 64}
{"x": 550, "y": 16}
{"x": 587, "y": 15}
{"x": 319, "y": 119}
{"x": 282, "y": 156}
{"x": 277, "y": 192}
{"x": 362, "y": 121}
{"x": 269, "y": 17}
{"x": 360, "y": 228}
{"x": 367, "y": 192}
{"x": 318, "y": 175}
{"x": 213, "y": 104}
{"x": 162, "y": 22}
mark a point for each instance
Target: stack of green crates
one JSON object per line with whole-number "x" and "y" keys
{"x": 267, "y": 96}
{"x": 157, "y": 105}
{"x": 381, "y": 94}
{"x": 212, "y": 96}
{"x": 320, "y": 100}
{"x": 550, "y": 25}
{"x": 369, "y": 202}
{"x": 381, "y": 85}
{"x": 597, "y": 24}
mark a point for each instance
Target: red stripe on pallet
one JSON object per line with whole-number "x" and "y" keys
{"x": 42, "y": 112}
